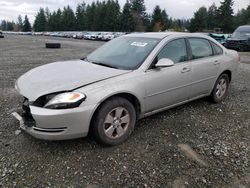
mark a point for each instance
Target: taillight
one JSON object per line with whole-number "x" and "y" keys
{"x": 238, "y": 58}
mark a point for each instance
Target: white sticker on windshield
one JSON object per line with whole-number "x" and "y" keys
{"x": 139, "y": 44}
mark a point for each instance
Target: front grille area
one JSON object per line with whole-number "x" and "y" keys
{"x": 28, "y": 119}
{"x": 25, "y": 106}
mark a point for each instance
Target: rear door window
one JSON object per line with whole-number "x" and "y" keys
{"x": 200, "y": 48}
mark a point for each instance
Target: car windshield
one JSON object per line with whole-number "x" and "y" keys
{"x": 241, "y": 34}
{"x": 124, "y": 52}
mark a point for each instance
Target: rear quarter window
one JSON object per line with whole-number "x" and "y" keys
{"x": 200, "y": 48}
{"x": 217, "y": 50}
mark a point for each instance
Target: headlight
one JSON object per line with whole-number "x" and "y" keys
{"x": 66, "y": 100}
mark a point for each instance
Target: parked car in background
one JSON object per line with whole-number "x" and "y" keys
{"x": 240, "y": 39}
{"x": 110, "y": 89}
{"x": 108, "y": 36}
{"x": 87, "y": 36}
{"x": 78, "y": 35}
{"x": 221, "y": 38}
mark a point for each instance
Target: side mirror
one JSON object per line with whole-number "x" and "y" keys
{"x": 164, "y": 62}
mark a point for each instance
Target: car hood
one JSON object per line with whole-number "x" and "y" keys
{"x": 62, "y": 76}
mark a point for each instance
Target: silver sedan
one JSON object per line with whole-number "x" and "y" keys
{"x": 128, "y": 78}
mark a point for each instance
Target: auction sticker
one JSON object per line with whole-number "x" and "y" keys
{"x": 139, "y": 44}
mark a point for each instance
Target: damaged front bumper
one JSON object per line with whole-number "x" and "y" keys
{"x": 51, "y": 124}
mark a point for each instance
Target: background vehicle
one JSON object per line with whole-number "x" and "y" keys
{"x": 1, "y": 34}
{"x": 108, "y": 36}
{"x": 221, "y": 38}
{"x": 78, "y": 35}
{"x": 112, "y": 88}
{"x": 240, "y": 39}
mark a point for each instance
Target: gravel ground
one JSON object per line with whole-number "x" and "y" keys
{"x": 199, "y": 144}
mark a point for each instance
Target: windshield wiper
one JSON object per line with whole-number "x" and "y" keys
{"x": 99, "y": 63}
{"x": 105, "y": 65}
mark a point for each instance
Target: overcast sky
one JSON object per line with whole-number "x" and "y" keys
{"x": 10, "y": 9}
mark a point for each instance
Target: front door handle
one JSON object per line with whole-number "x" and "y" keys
{"x": 185, "y": 69}
{"x": 216, "y": 62}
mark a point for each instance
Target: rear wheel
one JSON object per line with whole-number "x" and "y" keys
{"x": 114, "y": 121}
{"x": 220, "y": 89}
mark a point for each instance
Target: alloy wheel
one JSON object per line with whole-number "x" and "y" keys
{"x": 116, "y": 123}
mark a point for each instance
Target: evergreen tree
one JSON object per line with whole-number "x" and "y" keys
{"x": 40, "y": 23}
{"x": 4, "y": 25}
{"x": 101, "y": 10}
{"x": 26, "y": 24}
{"x": 165, "y": 20}
{"x": 242, "y": 17}
{"x": 199, "y": 22}
{"x": 138, "y": 10}
{"x": 212, "y": 14}
{"x": 225, "y": 15}
{"x": 111, "y": 19}
{"x": 58, "y": 21}
{"x": 52, "y": 22}
{"x": 68, "y": 19}
{"x": 19, "y": 23}
{"x": 80, "y": 17}
{"x": 157, "y": 20}
{"x": 10, "y": 26}
{"x": 90, "y": 13}
{"x": 127, "y": 21}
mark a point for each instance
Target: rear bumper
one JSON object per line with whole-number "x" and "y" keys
{"x": 57, "y": 124}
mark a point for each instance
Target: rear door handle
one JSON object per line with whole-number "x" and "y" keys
{"x": 185, "y": 69}
{"x": 216, "y": 62}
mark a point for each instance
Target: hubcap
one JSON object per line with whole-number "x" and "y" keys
{"x": 221, "y": 88}
{"x": 116, "y": 122}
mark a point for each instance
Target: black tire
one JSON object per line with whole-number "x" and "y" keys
{"x": 99, "y": 127}
{"x": 53, "y": 45}
{"x": 215, "y": 97}
{"x": 1, "y": 36}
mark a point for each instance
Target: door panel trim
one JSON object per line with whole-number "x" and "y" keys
{"x": 205, "y": 79}
{"x": 168, "y": 90}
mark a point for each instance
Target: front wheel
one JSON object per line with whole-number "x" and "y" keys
{"x": 114, "y": 121}
{"x": 220, "y": 89}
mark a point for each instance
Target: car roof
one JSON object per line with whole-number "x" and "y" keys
{"x": 243, "y": 28}
{"x": 161, "y": 35}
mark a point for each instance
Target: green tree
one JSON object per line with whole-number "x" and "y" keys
{"x": 58, "y": 21}
{"x": 157, "y": 19}
{"x": 242, "y": 17}
{"x": 26, "y": 24}
{"x": 199, "y": 22}
{"x": 40, "y": 23}
{"x": 90, "y": 13}
{"x": 10, "y": 26}
{"x": 101, "y": 10}
{"x": 127, "y": 21}
{"x": 111, "y": 19}
{"x": 212, "y": 14}
{"x": 4, "y": 25}
{"x": 80, "y": 17}
{"x": 139, "y": 13}
{"x": 68, "y": 19}
{"x": 19, "y": 23}
{"x": 225, "y": 15}
{"x": 164, "y": 19}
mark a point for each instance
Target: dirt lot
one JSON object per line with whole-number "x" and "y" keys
{"x": 199, "y": 144}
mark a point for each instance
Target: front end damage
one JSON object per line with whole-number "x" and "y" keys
{"x": 53, "y": 124}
